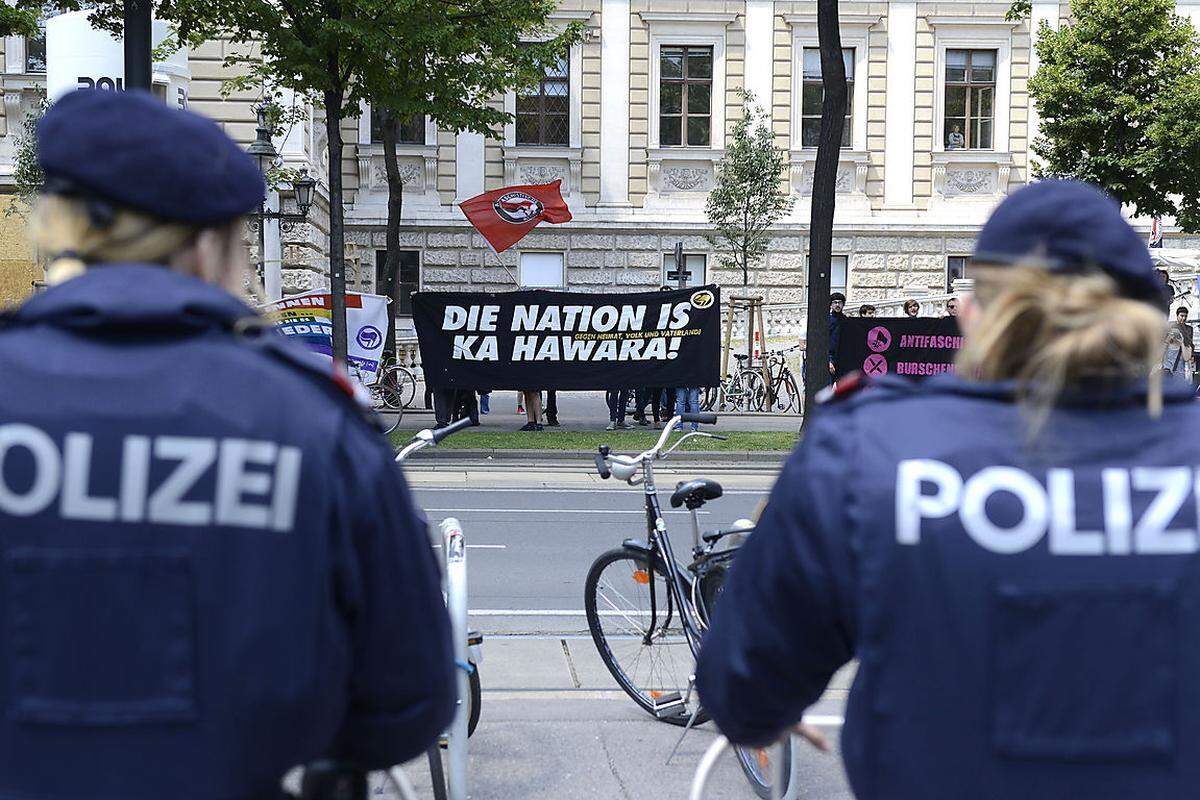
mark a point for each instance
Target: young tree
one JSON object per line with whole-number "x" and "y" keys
{"x": 824, "y": 196}
{"x": 452, "y": 64}
{"x": 27, "y": 172}
{"x": 748, "y": 197}
{"x": 1118, "y": 92}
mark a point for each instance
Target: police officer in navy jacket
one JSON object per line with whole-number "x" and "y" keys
{"x": 1010, "y": 554}
{"x": 211, "y": 569}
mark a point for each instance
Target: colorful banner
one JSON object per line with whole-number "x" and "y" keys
{"x": 914, "y": 347}
{"x": 308, "y": 319}
{"x": 569, "y": 340}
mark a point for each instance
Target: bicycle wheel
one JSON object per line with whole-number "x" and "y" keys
{"x": 385, "y": 398}
{"x": 649, "y": 659}
{"x": 787, "y": 398}
{"x": 751, "y": 392}
{"x": 759, "y": 767}
{"x": 406, "y": 384}
{"x": 709, "y": 398}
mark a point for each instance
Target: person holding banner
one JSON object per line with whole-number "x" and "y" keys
{"x": 213, "y": 568}
{"x": 1010, "y": 551}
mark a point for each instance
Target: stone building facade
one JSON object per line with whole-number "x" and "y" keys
{"x": 634, "y": 122}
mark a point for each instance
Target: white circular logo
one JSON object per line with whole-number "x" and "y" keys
{"x": 518, "y": 207}
{"x": 702, "y": 299}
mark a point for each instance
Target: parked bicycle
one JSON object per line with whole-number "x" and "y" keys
{"x": 403, "y": 378}
{"x": 386, "y": 394}
{"x": 786, "y": 395}
{"x": 647, "y": 611}
{"x": 741, "y": 390}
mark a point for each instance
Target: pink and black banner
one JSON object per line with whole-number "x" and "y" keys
{"x": 912, "y": 347}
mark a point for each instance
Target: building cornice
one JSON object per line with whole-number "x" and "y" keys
{"x": 844, "y": 20}
{"x": 686, "y": 18}
{"x": 982, "y": 23}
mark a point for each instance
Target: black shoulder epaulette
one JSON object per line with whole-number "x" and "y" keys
{"x": 848, "y": 386}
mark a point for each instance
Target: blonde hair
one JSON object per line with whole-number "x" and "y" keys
{"x": 64, "y": 230}
{"x": 1050, "y": 333}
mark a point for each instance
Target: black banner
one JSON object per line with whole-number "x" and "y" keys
{"x": 568, "y": 340}
{"x": 913, "y": 347}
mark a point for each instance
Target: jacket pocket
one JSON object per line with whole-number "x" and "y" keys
{"x": 1088, "y": 674}
{"x": 101, "y": 637}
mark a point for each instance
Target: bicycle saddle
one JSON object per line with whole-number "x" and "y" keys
{"x": 740, "y": 356}
{"x": 695, "y": 493}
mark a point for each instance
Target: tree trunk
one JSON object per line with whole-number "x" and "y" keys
{"x": 820, "y": 234}
{"x": 391, "y": 263}
{"x": 337, "y": 231}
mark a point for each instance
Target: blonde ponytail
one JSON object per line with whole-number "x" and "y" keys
{"x": 1051, "y": 333}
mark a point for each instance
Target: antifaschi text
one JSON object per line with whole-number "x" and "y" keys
{"x": 570, "y": 332}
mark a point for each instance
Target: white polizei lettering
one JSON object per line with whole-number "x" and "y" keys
{"x": 973, "y": 511}
{"x": 1065, "y": 538}
{"x": 47, "y": 470}
{"x": 235, "y": 482}
{"x": 286, "y": 489}
{"x": 195, "y": 456}
{"x": 76, "y": 503}
{"x": 912, "y": 505}
{"x": 135, "y": 477}
{"x": 1151, "y": 535}
{"x": 1118, "y": 510}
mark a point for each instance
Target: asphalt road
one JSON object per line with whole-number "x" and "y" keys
{"x": 554, "y": 723}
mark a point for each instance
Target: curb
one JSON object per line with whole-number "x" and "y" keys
{"x": 501, "y": 456}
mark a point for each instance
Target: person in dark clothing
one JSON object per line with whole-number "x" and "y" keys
{"x": 551, "y": 408}
{"x": 617, "y": 400}
{"x": 837, "y": 302}
{"x": 652, "y": 398}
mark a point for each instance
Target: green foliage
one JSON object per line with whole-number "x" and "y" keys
{"x": 748, "y": 197}
{"x": 1118, "y": 91}
{"x": 1019, "y": 10}
{"x": 27, "y": 173}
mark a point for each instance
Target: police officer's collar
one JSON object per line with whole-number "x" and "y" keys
{"x": 1097, "y": 393}
{"x": 141, "y": 296}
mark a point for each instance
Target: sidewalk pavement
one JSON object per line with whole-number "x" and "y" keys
{"x": 588, "y": 411}
{"x": 568, "y": 470}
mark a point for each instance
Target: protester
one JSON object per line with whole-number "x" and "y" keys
{"x": 617, "y": 400}
{"x": 687, "y": 401}
{"x": 485, "y": 402}
{"x": 551, "y": 408}
{"x": 532, "y": 406}
{"x": 837, "y": 301}
{"x": 1176, "y": 355}
{"x": 1181, "y": 324}
{"x": 643, "y": 398}
{"x": 952, "y": 307}
{"x": 213, "y": 567}
{"x": 912, "y": 308}
{"x": 866, "y": 310}
{"x": 1008, "y": 550}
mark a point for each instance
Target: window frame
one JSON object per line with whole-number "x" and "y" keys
{"x": 541, "y": 95}
{"x": 670, "y": 257}
{"x": 844, "y": 288}
{"x": 424, "y": 128}
{"x": 970, "y": 86}
{"x": 562, "y": 264}
{"x": 855, "y": 30}
{"x": 967, "y": 33}
{"x": 848, "y": 131}
{"x": 381, "y": 254}
{"x": 694, "y": 29}
{"x": 684, "y": 81}
{"x": 575, "y": 96}
{"x": 967, "y": 264}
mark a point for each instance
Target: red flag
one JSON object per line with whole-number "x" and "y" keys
{"x": 504, "y": 216}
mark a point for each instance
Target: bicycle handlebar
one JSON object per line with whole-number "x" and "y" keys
{"x": 452, "y": 428}
{"x": 625, "y": 467}
{"x": 700, "y": 419}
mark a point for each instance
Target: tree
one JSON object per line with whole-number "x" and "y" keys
{"x": 1118, "y": 92}
{"x": 748, "y": 197}
{"x": 27, "y": 172}
{"x": 824, "y": 196}
{"x": 452, "y": 63}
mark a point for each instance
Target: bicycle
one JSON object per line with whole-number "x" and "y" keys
{"x": 647, "y": 612}
{"x": 386, "y": 398}
{"x": 785, "y": 391}
{"x": 741, "y": 390}
{"x": 404, "y": 379}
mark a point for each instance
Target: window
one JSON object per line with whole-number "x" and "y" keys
{"x": 35, "y": 50}
{"x": 693, "y": 266}
{"x": 685, "y": 96}
{"x": 970, "y": 99}
{"x": 544, "y": 111}
{"x": 409, "y": 273}
{"x": 837, "y": 274}
{"x": 957, "y": 268}
{"x": 813, "y": 93}
{"x": 542, "y": 270}
{"x": 409, "y": 130}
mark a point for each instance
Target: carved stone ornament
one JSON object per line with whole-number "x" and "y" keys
{"x": 542, "y": 173}
{"x": 685, "y": 179}
{"x": 970, "y": 181}
{"x": 843, "y": 184}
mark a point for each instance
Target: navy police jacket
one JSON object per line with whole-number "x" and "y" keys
{"x": 1025, "y": 613}
{"x": 210, "y": 566}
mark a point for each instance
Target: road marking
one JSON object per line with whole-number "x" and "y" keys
{"x": 474, "y": 490}
{"x": 639, "y": 511}
{"x": 479, "y": 547}
{"x": 544, "y": 612}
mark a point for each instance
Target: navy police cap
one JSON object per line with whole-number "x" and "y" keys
{"x": 1072, "y": 227}
{"x": 132, "y": 150}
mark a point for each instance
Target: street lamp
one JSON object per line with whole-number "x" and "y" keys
{"x": 303, "y": 186}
